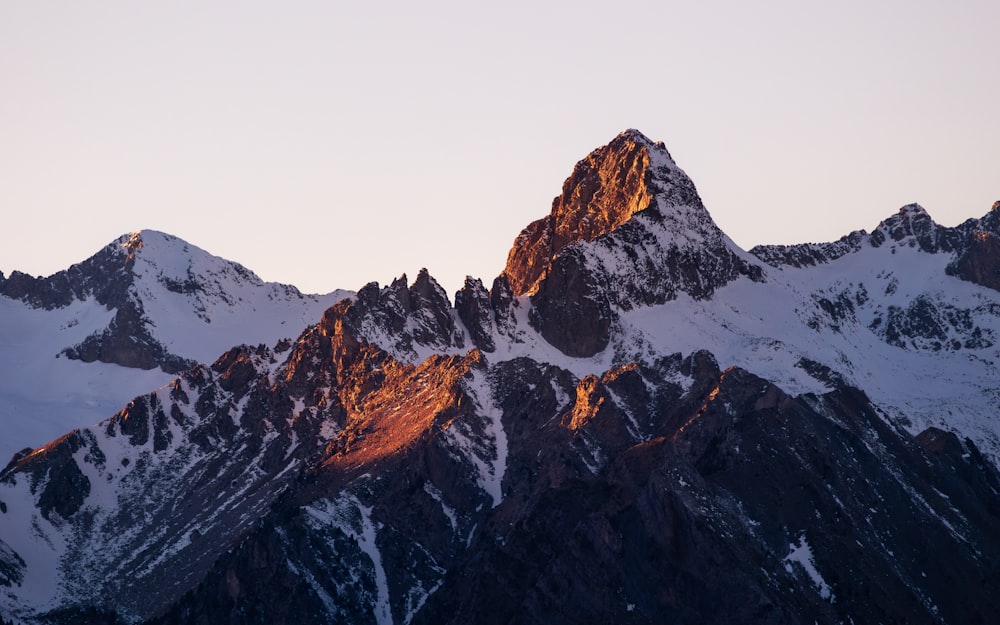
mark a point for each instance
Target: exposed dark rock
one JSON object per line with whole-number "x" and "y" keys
{"x": 404, "y": 318}
{"x": 820, "y": 372}
{"x": 106, "y": 276}
{"x": 54, "y": 470}
{"x": 914, "y": 225}
{"x": 630, "y": 176}
{"x": 238, "y": 368}
{"x": 571, "y": 308}
{"x": 127, "y": 342}
{"x": 927, "y": 324}
{"x": 431, "y": 310}
{"x": 979, "y": 262}
{"x": 503, "y": 303}
{"x": 702, "y": 525}
{"x": 11, "y": 564}
{"x": 809, "y": 254}
{"x": 472, "y": 303}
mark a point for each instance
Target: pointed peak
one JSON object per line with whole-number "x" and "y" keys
{"x": 632, "y": 140}
{"x": 631, "y": 134}
{"x": 639, "y": 138}
{"x": 996, "y": 207}
{"x": 906, "y": 214}
{"x": 913, "y": 226}
{"x": 427, "y": 287}
{"x": 137, "y": 237}
{"x": 607, "y": 188}
{"x": 154, "y": 243}
{"x": 913, "y": 209}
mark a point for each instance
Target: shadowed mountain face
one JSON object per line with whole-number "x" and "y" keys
{"x": 637, "y": 423}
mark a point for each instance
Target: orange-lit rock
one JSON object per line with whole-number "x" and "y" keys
{"x": 603, "y": 192}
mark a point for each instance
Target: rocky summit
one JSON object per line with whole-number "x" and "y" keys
{"x": 638, "y": 422}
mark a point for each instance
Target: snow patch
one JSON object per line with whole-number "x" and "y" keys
{"x": 488, "y": 456}
{"x": 354, "y": 519}
{"x": 802, "y": 555}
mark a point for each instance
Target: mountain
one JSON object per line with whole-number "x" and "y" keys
{"x": 81, "y": 343}
{"x": 638, "y": 422}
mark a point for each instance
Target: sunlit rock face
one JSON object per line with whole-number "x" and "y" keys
{"x": 629, "y": 229}
{"x": 604, "y": 191}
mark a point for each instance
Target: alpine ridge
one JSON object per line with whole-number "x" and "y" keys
{"x": 638, "y": 422}
{"x": 81, "y": 343}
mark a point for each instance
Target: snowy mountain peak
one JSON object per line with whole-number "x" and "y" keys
{"x": 606, "y": 189}
{"x": 635, "y": 136}
{"x": 913, "y": 226}
{"x": 629, "y": 229}
{"x": 175, "y": 263}
{"x": 913, "y": 209}
{"x": 149, "y": 302}
{"x": 156, "y": 284}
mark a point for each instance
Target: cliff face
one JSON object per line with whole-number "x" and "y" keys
{"x": 628, "y": 229}
{"x": 604, "y": 191}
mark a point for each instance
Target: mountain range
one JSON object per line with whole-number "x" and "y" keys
{"x": 638, "y": 422}
{"x": 149, "y": 303}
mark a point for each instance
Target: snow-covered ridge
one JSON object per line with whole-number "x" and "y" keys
{"x": 198, "y": 305}
{"x": 148, "y": 301}
{"x": 911, "y": 226}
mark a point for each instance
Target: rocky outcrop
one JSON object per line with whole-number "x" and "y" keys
{"x": 979, "y": 260}
{"x": 54, "y": 472}
{"x": 11, "y": 566}
{"x": 604, "y": 191}
{"x": 144, "y": 503}
{"x": 810, "y": 254}
{"x": 127, "y": 342}
{"x": 931, "y": 325}
{"x": 572, "y": 308}
{"x": 472, "y": 303}
{"x": 628, "y": 230}
{"x": 406, "y": 319}
{"x": 105, "y": 276}
{"x": 661, "y": 488}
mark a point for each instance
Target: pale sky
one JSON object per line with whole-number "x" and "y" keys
{"x": 328, "y": 144}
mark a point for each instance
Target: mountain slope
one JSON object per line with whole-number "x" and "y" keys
{"x": 82, "y": 342}
{"x": 639, "y": 422}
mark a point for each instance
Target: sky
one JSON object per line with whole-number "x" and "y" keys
{"x": 330, "y": 144}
